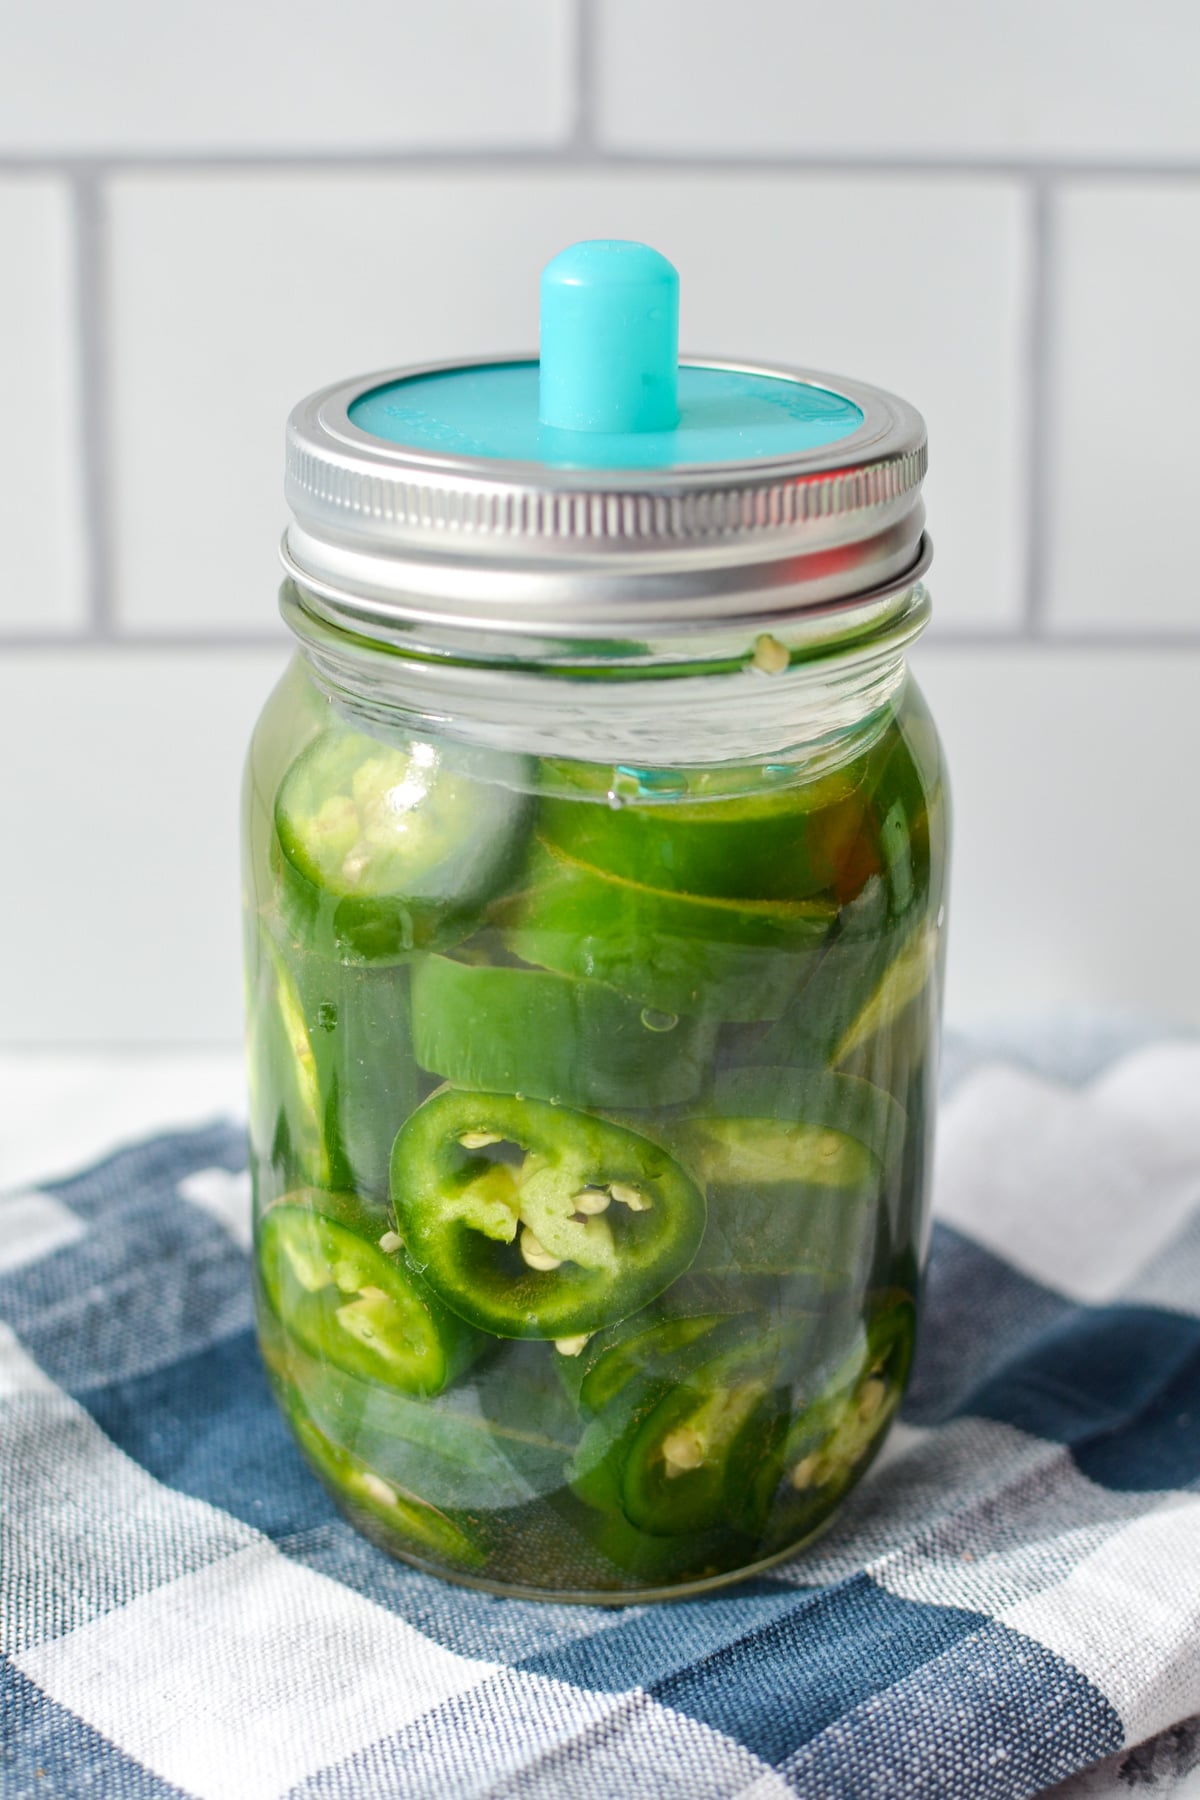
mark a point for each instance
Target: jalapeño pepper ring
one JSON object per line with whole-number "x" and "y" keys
{"x": 581, "y": 1224}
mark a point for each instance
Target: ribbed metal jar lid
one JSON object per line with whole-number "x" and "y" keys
{"x": 439, "y": 495}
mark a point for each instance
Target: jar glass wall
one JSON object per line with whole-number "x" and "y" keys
{"x": 591, "y": 1111}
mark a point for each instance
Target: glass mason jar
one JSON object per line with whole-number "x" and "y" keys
{"x": 595, "y": 859}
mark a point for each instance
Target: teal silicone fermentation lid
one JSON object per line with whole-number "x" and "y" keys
{"x": 603, "y": 481}
{"x": 607, "y": 391}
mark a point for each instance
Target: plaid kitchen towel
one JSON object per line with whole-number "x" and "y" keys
{"x": 1012, "y": 1596}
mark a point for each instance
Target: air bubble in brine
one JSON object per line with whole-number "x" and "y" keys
{"x": 659, "y": 1021}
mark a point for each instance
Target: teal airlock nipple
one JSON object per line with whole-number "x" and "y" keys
{"x": 609, "y": 339}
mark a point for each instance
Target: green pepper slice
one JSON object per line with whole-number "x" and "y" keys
{"x": 492, "y": 1445}
{"x": 909, "y": 809}
{"x": 533, "y": 1032}
{"x": 645, "y": 1364}
{"x": 422, "y": 1528}
{"x": 335, "y": 1276}
{"x": 903, "y": 984}
{"x": 332, "y": 1066}
{"x": 614, "y": 1358}
{"x": 679, "y": 953}
{"x": 807, "y": 1031}
{"x": 680, "y": 1446}
{"x": 870, "y": 1008}
{"x": 784, "y": 843}
{"x": 687, "y": 1467}
{"x": 360, "y": 1030}
{"x": 382, "y": 849}
{"x": 287, "y": 1126}
{"x": 834, "y": 1436}
{"x": 794, "y": 1163}
{"x": 882, "y": 956}
{"x": 582, "y": 1224}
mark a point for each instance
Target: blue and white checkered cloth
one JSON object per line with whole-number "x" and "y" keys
{"x": 1011, "y": 1597}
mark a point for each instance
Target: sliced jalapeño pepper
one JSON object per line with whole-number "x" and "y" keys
{"x": 334, "y": 1067}
{"x": 467, "y": 1448}
{"x": 535, "y": 1221}
{"x": 794, "y": 1163}
{"x": 534, "y": 1032}
{"x": 287, "y": 1122}
{"x": 681, "y": 1445}
{"x": 643, "y": 1364}
{"x": 868, "y": 1005}
{"x": 335, "y": 1275}
{"x": 884, "y": 957}
{"x": 681, "y": 953}
{"x": 870, "y": 1008}
{"x": 687, "y": 1467}
{"x": 382, "y": 849}
{"x": 835, "y": 1434}
{"x": 782, "y": 843}
{"x": 361, "y": 1034}
{"x": 909, "y": 811}
{"x": 627, "y": 1352}
{"x": 420, "y": 1528}
{"x": 900, "y": 987}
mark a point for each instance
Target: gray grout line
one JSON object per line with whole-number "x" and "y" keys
{"x": 583, "y": 152}
{"x": 1039, "y": 420}
{"x": 900, "y": 164}
{"x": 90, "y": 319}
{"x": 584, "y": 137}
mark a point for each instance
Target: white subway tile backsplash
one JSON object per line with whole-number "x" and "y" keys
{"x": 234, "y": 295}
{"x": 41, "y": 533}
{"x": 1075, "y": 868}
{"x": 1009, "y": 79}
{"x": 120, "y": 923}
{"x": 1126, "y": 375}
{"x": 1076, "y": 859}
{"x": 138, "y": 76}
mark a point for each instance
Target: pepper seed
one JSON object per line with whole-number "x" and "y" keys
{"x": 872, "y": 1397}
{"x": 770, "y": 655}
{"x": 478, "y": 1140}
{"x": 629, "y": 1196}
{"x": 377, "y": 1488}
{"x": 535, "y": 1257}
{"x": 682, "y": 1451}
{"x": 592, "y": 1200}
{"x": 391, "y": 1240}
{"x": 571, "y": 1346}
{"x": 805, "y": 1472}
